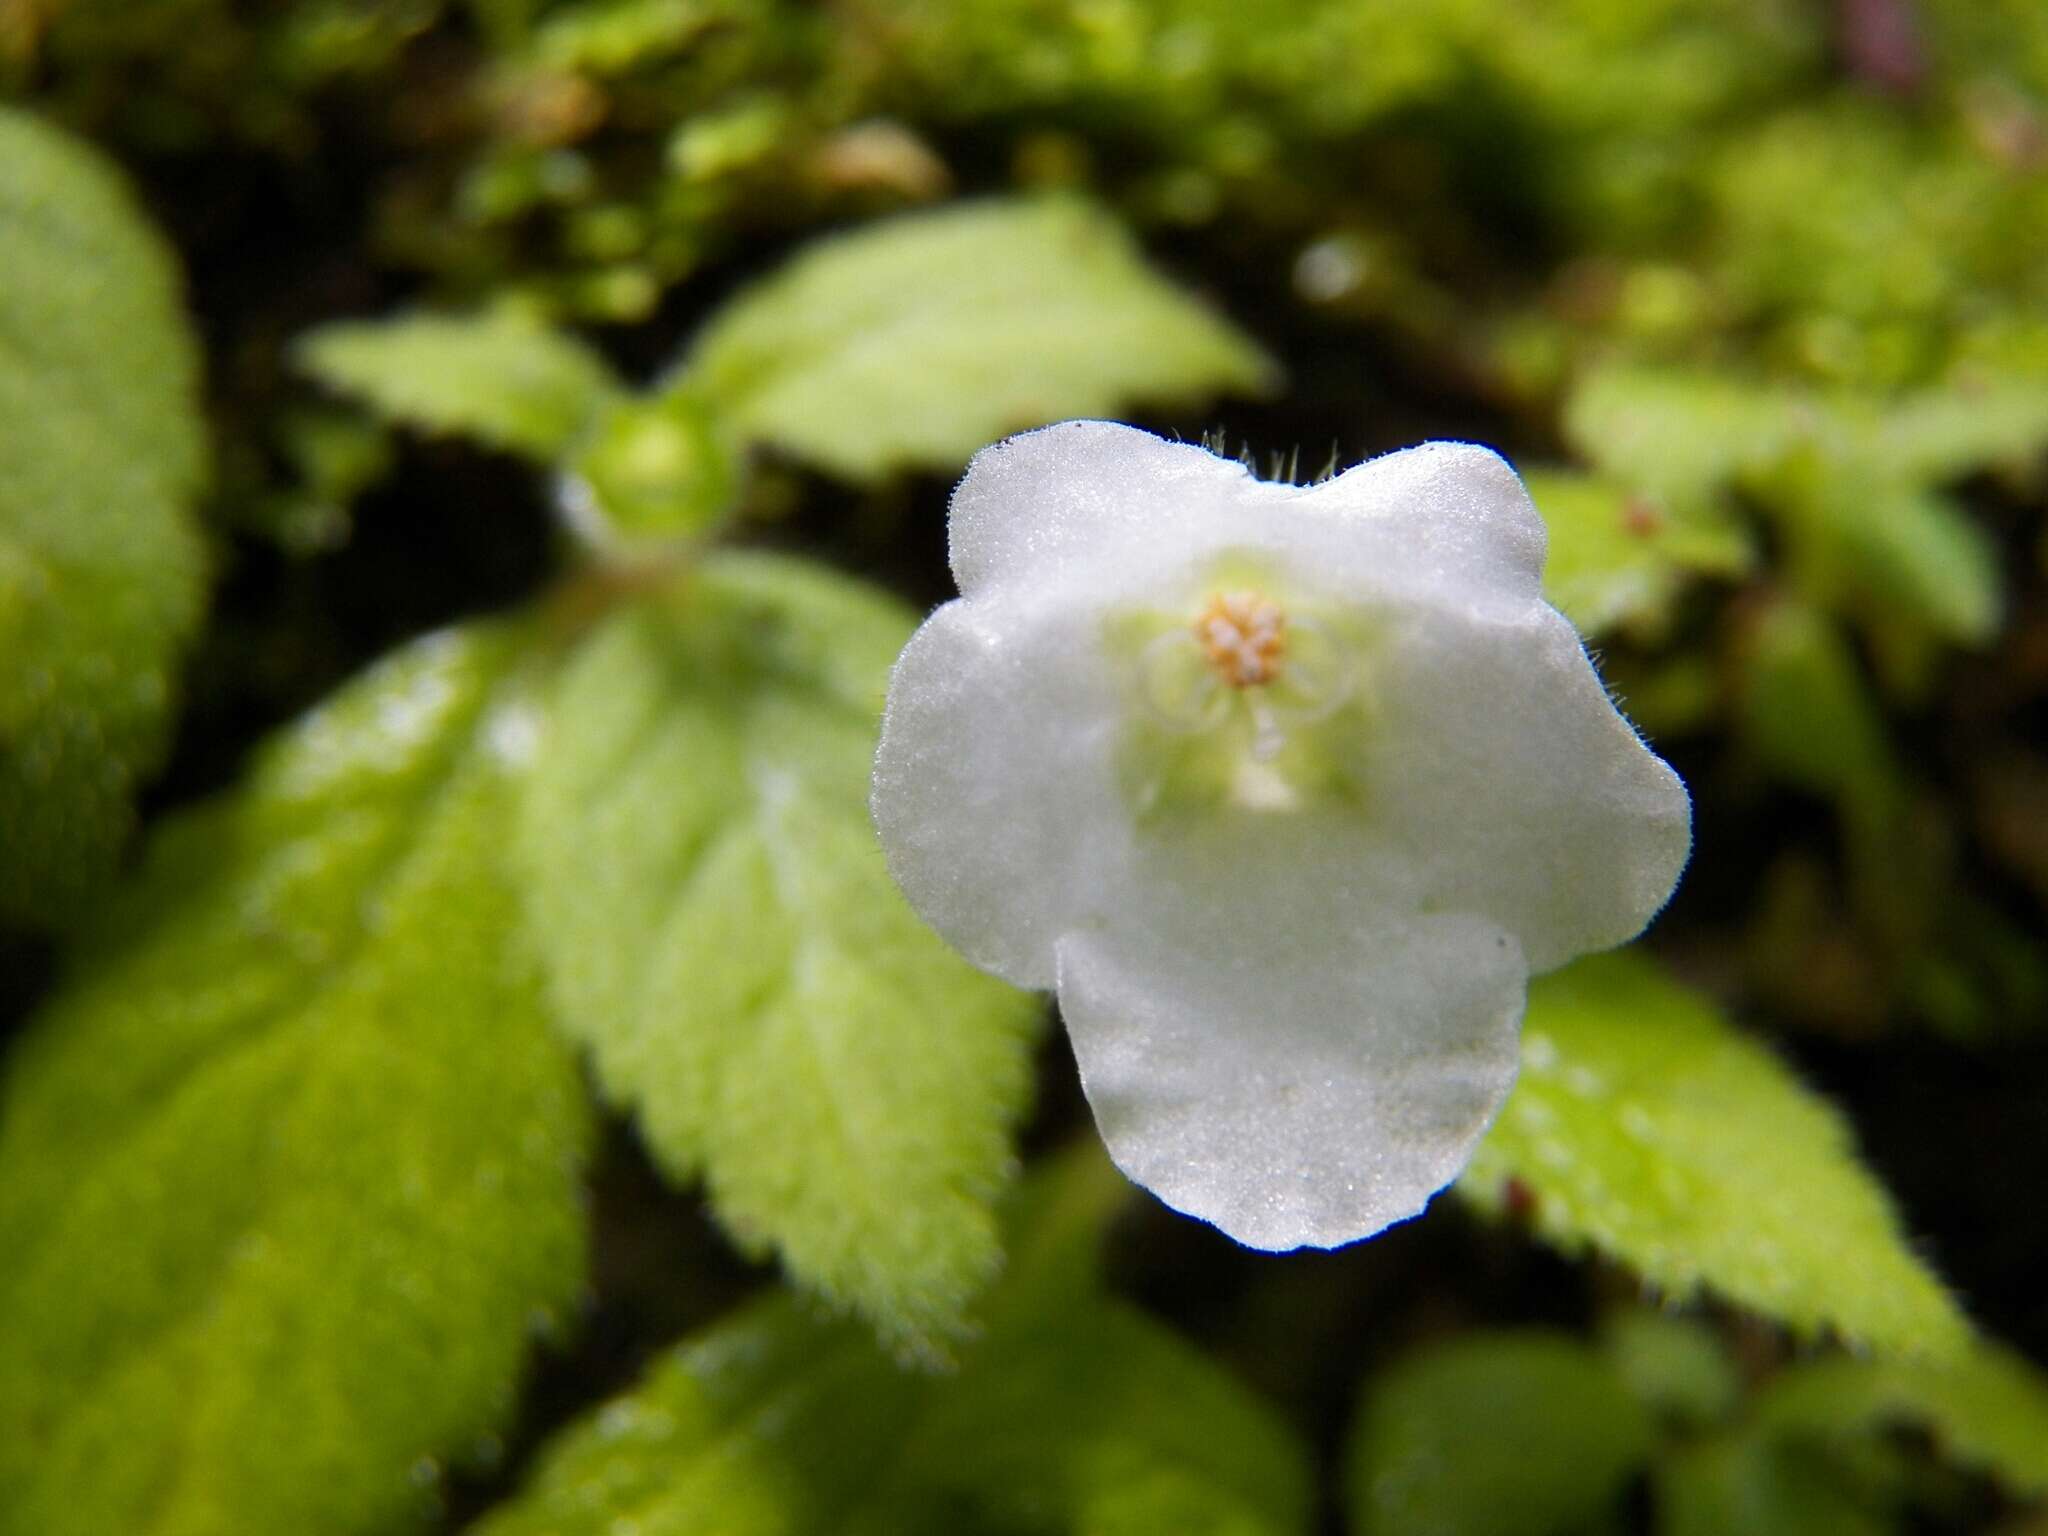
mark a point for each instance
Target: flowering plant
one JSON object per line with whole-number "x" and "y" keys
{"x": 1286, "y": 791}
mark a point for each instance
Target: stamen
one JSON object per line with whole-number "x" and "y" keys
{"x": 1244, "y": 637}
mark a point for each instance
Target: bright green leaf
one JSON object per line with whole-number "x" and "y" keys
{"x": 102, "y": 454}
{"x": 1988, "y": 1407}
{"x": 1501, "y": 1434}
{"x": 1617, "y": 560}
{"x": 915, "y": 342}
{"x": 1645, "y": 1126}
{"x": 1072, "y": 1412}
{"x": 1679, "y": 437}
{"x": 289, "y": 1166}
{"x": 500, "y": 376}
{"x": 724, "y": 936}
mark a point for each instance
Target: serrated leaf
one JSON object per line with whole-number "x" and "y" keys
{"x": 1616, "y": 560}
{"x": 500, "y": 376}
{"x": 722, "y": 933}
{"x": 1073, "y": 1412}
{"x": 1988, "y": 1407}
{"x": 1643, "y": 1125}
{"x": 1500, "y": 1434}
{"x": 915, "y": 342}
{"x": 102, "y": 455}
{"x": 289, "y": 1165}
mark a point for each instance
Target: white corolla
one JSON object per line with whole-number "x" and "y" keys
{"x": 1285, "y": 790}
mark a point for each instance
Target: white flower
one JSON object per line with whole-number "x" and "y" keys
{"x": 1286, "y": 790}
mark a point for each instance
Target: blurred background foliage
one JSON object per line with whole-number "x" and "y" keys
{"x": 508, "y": 307}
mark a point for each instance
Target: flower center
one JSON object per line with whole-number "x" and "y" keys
{"x": 1243, "y": 635}
{"x": 1231, "y": 689}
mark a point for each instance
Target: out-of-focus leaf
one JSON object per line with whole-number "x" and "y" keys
{"x": 1988, "y": 1408}
{"x": 1980, "y": 418}
{"x": 620, "y": 35}
{"x": 1760, "y": 1485}
{"x": 1072, "y": 1412}
{"x": 500, "y": 376}
{"x": 289, "y": 1165}
{"x": 1860, "y": 532}
{"x": 1645, "y": 1126}
{"x": 651, "y": 470}
{"x": 102, "y": 453}
{"x": 1508, "y": 1434}
{"x": 1673, "y": 1364}
{"x": 1616, "y": 559}
{"x": 336, "y": 454}
{"x": 1848, "y": 216}
{"x": 915, "y": 342}
{"x": 1678, "y": 437}
{"x": 1809, "y": 716}
{"x": 722, "y": 933}
{"x": 1854, "y": 481}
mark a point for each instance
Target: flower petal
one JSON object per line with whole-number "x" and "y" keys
{"x": 1294, "y": 1098}
{"x": 987, "y": 803}
{"x": 1045, "y": 505}
{"x": 1452, "y": 513}
{"x": 1499, "y": 762}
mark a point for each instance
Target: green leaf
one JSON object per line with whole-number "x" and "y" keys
{"x": 500, "y": 376}
{"x": 1674, "y": 1365}
{"x": 1852, "y": 479}
{"x": 1073, "y": 1412}
{"x": 648, "y": 471}
{"x": 1680, "y": 437}
{"x": 1987, "y": 1407}
{"x": 1645, "y": 1126}
{"x": 1759, "y": 1485}
{"x": 1860, "y": 532}
{"x": 1617, "y": 560}
{"x": 1985, "y": 417}
{"x": 1808, "y": 714}
{"x": 722, "y": 933}
{"x": 289, "y": 1165}
{"x": 1495, "y": 1434}
{"x": 915, "y": 342}
{"x": 102, "y": 455}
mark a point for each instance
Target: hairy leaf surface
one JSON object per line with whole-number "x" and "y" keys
{"x": 289, "y": 1165}
{"x": 722, "y": 933}
{"x": 1645, "y": 1126}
